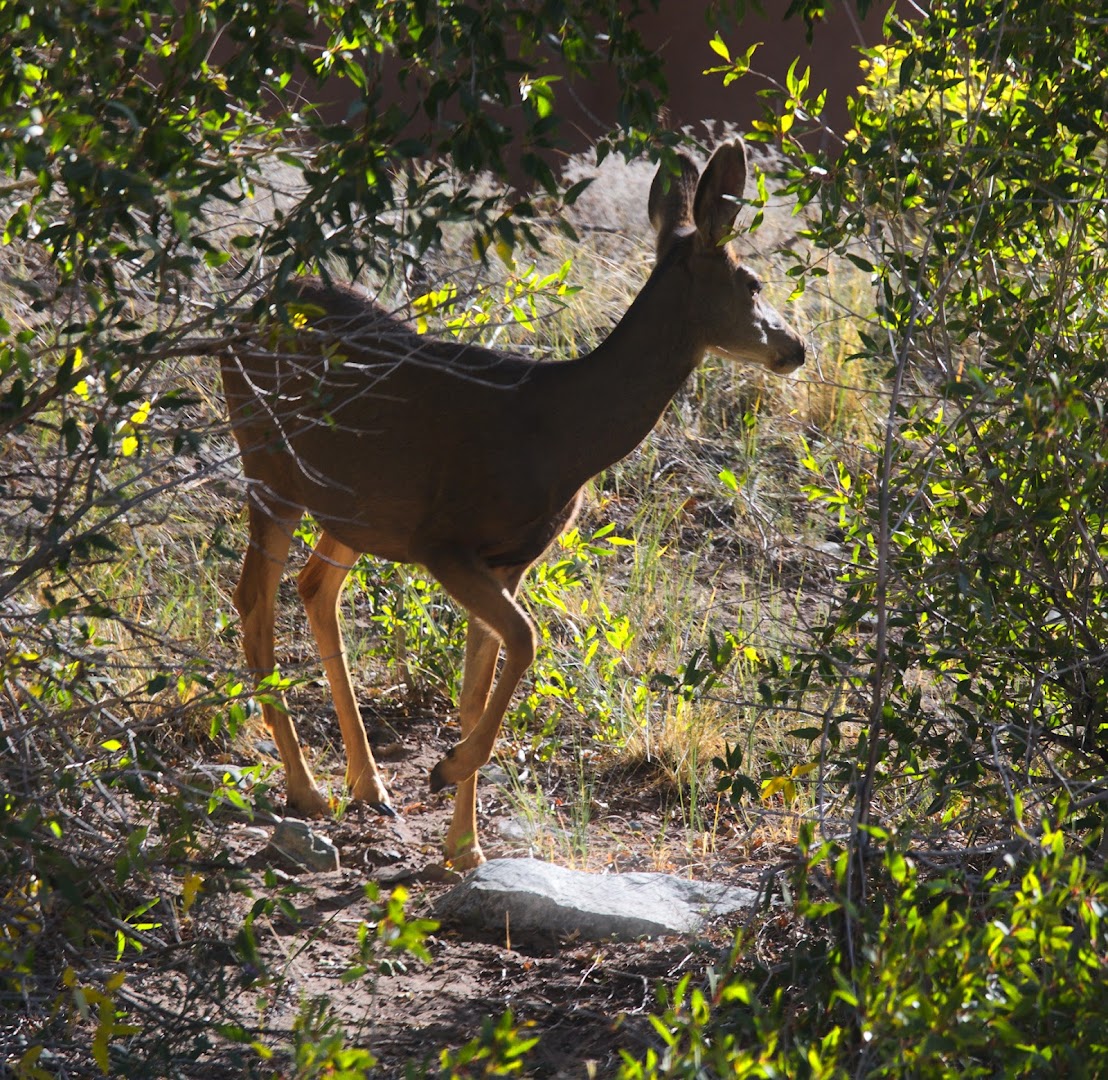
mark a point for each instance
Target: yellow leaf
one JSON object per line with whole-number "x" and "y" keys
{"x": 100, "y": 1048}
{"x": 782, "y": 784}
{"x": 772, "y": 786}
{"x": 190, "y": 890}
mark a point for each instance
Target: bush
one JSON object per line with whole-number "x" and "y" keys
{"x": 1000, "y": 973}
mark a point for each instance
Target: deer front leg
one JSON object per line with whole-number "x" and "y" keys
{"x": 255, "y": 598}
{"x": 320, "y": 587}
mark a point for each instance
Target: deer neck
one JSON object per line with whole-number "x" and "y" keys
{"x": 624, "y": 385}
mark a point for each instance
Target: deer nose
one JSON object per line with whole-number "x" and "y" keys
{"x": 792, "y": 358}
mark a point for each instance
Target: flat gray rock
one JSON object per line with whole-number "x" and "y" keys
{"x": 300, "y": 845}
{"x": 539, "y": 897}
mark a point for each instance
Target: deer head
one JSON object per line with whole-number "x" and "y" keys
{"x": 693, "y": 216}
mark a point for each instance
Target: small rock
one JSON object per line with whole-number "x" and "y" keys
{"x": 515, "y": 829}
{"x": 391, "y": 751}
{"x": 538, "y": 897}
{"x": 495, "y": 775}
{"x": 252, "y": 832}
{"x": 297, "y": 843}
{"x": 526, "y": 830}
{"x": 832, "y": 548}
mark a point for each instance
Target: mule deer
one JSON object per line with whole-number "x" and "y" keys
{"x": 465, "y": 460}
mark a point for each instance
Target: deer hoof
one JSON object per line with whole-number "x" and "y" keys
{"x": 438, "y": 781}
{"x": 384, "y": 809}
{"x": 371, "y": 792}
{"x": 309, "y": 803}
{"x": 469, "y": 859}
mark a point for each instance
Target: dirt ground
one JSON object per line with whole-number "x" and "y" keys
{"x": 585, "y": 1001}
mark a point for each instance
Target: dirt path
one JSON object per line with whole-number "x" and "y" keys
{"x": 585, "y": 1001}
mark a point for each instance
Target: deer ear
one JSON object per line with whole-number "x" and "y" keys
{"x": 671, "y": 201}
{"x": 716, "y": 202}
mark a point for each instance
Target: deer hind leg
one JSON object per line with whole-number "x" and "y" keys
{"x": 489, "y": 597}
{"x": 255, "y": 598}
{"x": 320, "y": 587}
{"x": 461, "y": 848}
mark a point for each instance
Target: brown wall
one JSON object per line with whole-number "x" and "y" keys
{"x": 681, "y": 34}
